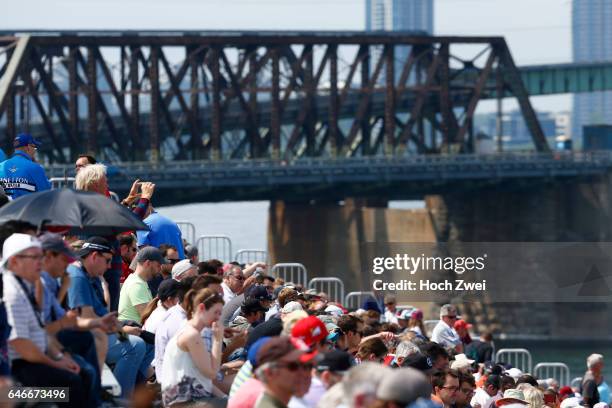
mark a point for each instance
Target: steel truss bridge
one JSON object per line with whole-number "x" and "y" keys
{"x": 275, "y": 95}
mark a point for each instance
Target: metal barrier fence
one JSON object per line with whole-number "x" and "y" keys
{"x": 215, "y": 247}
{"x": 354, "y": 300}
{"x": 291, "y": 272}
{"x": 517, "y": 357}
{"x": 188, "y": 231}
{"x": 558, "y": 371}
{"x": 575, "y": 383}
{"x": 248, "y": 256}
{"x": 61, "y": 182}
{"x": 334, "y": 288}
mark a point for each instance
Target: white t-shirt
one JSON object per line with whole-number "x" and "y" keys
{"x": 481, "y": 398}
{"x": 155, "y": 318}
{"x": 227, "y": 293}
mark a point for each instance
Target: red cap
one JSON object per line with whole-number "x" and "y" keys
{"x": 565, "y": 390}
{"x": 462, "y": 324}
{"x": 310, "y": 330}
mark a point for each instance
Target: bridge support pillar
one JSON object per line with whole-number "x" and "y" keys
{"x": 568, "y": 212}
{"x": 326, "y": 237}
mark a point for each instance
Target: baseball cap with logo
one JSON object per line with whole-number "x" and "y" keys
{"x": 25, "y": 139}
{"x": 17, "y": 243}
{"x": 258, "y": 292}
{"x": 95, "y": 244}
{"x": 310, "y": 330}
{"x": 337, "y": 361}
{"x": 419, "y": 362}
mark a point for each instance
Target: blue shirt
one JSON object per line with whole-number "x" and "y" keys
{"x": 51, "y": 310}
{"x": 162, "y": 230}
{"x": 85, "y": 291}
{"x": 19, "y": 176}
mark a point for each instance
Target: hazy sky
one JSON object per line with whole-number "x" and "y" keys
{"x": 538, "y": 31}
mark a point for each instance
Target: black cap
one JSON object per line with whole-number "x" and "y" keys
{"x": 419, "y": 361}
{"x": 252, "y": 305}
{"x": 150, "y": 254}
{"x": 168, "y": 288}
{"x": 494, "y": 380}
{"x": 55, "y": 243}
{"x": 95, "y": 244}
{"x": 337, "y": 361}
{"x": 258, "y": 292}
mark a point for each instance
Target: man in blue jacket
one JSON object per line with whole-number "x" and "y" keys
{"x": 21, "y": 175}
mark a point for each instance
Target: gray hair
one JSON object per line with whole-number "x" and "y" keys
{"x": 362, "y": 379}
{"x": 191, "y": 250}
{"x": 594, "y": 359}
{"x": 446, "y": 309}
{"x": 89, "y": 175}
{"x": 405, "y": 349}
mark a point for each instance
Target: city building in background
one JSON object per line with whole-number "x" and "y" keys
{"x": 591, "y": 33}
{"x": 399, "y": 15}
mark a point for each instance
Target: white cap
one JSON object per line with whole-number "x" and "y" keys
{"x": 291, "y": 307}
{"x": 181, "y": 267}
{"x": 461, "y": 361}
{"x": 17, "y": 243}
{"x": 514, "y": 372}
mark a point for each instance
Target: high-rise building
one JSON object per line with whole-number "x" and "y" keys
{"x": 399, "y": 15}
{"x": 591, "y": 34}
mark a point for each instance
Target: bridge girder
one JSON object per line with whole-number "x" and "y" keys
{"x": 276, "y": 96}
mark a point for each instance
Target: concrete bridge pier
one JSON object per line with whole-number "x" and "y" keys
{"x": 327, "y": 237}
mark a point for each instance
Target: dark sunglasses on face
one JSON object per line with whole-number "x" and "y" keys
{"x": 172, "y": 261}
{"x": 238, "y": 277}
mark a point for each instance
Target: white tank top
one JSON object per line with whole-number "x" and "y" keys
{"x": 182, "y": 381}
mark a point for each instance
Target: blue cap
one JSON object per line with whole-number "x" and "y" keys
{"x": 254, "y": 349}
{"x": 24, "y": 139}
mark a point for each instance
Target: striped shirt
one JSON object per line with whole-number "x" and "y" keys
{"x": 21, "y": 315}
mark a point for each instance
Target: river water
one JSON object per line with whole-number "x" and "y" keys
{"x": 246, "y": 224}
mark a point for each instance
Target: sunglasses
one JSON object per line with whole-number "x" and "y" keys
{"x": 238, "y": 277}
{"x": 172, "y": 261}
{"x": 295, "y": 366}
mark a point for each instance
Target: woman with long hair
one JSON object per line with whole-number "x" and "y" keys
{"x": 189, "y": 368}
{"x": 415, "y": 323}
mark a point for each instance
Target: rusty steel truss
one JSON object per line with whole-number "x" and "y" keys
{"x": 164, "y": 96}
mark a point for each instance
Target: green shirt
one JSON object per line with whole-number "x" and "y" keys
{"x": 134, "y": 291}
{"x": 268, "y": 401}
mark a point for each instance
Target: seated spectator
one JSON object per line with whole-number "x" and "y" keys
{"x": 483, "y": 396}
{"x": 211, "y": 267}
{"x": 437, "y": 353}
{"x": 351, "y": 328}
{"x": 445, "y": 384}
{"x": 416, "y": 324}
{"x": 400, "y": 388}
{"x": 192, "y": 254}
{"x": 171, "y": 255}
{"x": 167, "y": 296}
{"x": 183, "y": 269}
{"x": 34, "y": 361}
{"x": 481, "y": 350}
{"x": 126, "y": 350}
{"x": 372, "y": 349}
{"x": 127, "y": 248}
{"x": 188, "y": 367}
{"x": 135, "y": 294}
{"x": 251, "y": 314}
{"x": 467, "y": 385}
{"x": 444, "y": 333}
{"x": 329, "y": 371}
{"x": 284, "y": 369}
{"x": 233, "y": 280}
{"x": 361, "y": 383}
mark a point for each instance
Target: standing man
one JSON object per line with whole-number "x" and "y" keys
{"x": 135, "y": 294}
{"x": 588, "y": 388}
{"x": 444, "y": 333}
{"x": 21, "y": 175}
{"x": 162, "y": 230}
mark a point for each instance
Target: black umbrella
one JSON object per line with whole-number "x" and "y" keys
{"x": 83, "y": 213}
